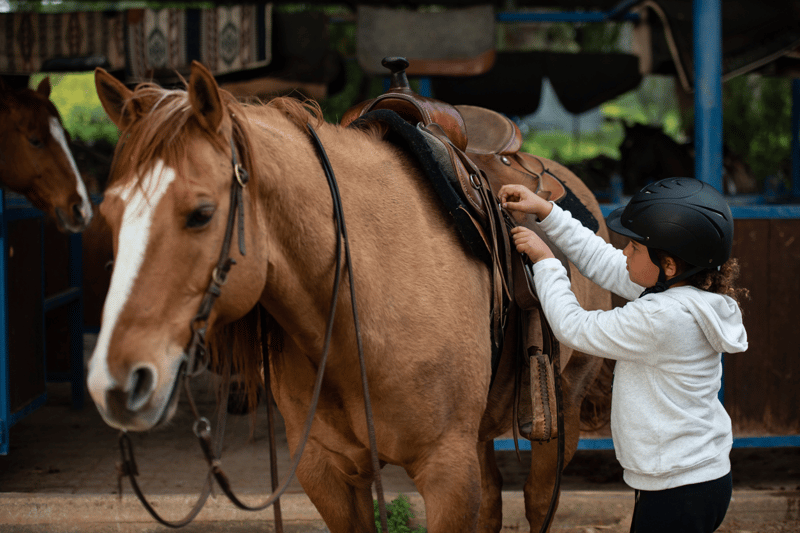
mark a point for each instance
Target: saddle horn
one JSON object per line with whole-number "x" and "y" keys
{"x": 397, "y": 66}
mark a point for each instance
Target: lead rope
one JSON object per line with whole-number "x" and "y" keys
{"x": 342, "y": 234}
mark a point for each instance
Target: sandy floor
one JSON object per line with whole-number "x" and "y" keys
{"x": 60, "y": 451}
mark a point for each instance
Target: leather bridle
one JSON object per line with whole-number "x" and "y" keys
{"x": 199, "y": 359}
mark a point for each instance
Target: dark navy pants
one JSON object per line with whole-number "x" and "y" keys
{"x": 697, "y": 508}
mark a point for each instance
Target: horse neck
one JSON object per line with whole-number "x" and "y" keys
{"x": 293, "y": 205}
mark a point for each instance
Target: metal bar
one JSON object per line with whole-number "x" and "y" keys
{"x": 28, "y": 409}
{"x": 62, "y": 298}
{"x": 622, "y": 9}
{"x": 776, "y": 441}
{"x": 588, "y": 16}
{"x": 21, "y": 213}
{"x": 707, "y": 37}
{"x": 761, "y": 211}
{"x": 425, "y": 88}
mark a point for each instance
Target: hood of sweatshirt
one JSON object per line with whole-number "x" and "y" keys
{"x": 719, "y": 317}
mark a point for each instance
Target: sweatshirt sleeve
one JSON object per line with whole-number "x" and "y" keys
{"x": 596, "y": 259}
{"x": 617, "y": 334}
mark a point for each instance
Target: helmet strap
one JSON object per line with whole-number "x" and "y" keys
{"x": 663, "y": 283}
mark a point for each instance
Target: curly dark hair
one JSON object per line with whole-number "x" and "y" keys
{"x": 722, "y": 281}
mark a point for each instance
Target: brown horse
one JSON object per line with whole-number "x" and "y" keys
{"x": 423, "y": 299}
{"x": 35, "y": 159}
{"x": 649, "y": 154}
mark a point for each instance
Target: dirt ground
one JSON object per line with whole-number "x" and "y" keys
{"x": 62, "y": 462}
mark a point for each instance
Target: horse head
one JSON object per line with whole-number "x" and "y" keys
{"x": 168, "y": 203}
{"x": 648, "y": 154}
{"x": 35, "y": 159}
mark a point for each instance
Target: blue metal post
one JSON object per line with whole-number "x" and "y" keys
{"x": 796, "y": 138}
{"x": 707, "y": 36}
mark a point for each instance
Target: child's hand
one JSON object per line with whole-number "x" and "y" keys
{"x": 521, "y": 198}
{"x": 527, "y": 242}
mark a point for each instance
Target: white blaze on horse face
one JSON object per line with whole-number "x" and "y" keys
{"x": 134, "y": 235}
{"x": 57, "y": 131}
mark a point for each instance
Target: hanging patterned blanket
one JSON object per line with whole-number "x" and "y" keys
{"x": 144, "y": 42}
{"x": 29, "y": 40}
{"x": 225, "y": 39}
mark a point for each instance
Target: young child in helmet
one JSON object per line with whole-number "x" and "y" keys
{"x": 671, "y": 434}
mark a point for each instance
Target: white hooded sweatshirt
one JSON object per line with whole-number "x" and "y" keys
{"x": 668, "y": 425}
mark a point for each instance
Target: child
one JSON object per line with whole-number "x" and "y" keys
{"x": 671, "y": 434}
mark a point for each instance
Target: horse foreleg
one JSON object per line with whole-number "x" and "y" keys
{"x": 578, "y": 375}
{"x": 449, "y": 481}
{"x": 491, "y": 513}
{"x": 343, "y": 501}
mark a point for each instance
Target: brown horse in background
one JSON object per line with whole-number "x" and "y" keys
{"x": 35, "y": 159}
{"x": 423, "y": 300}
{"x": 649, "y": 154}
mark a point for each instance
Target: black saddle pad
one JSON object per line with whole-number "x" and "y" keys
{"x": 435, "y": 164}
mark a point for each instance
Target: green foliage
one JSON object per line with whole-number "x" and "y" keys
{"x": 75, "y": 97}
{"x": 599, "y": 36}
{"x": 399, "y": 516}
{"x": 756, "y": 122}
{"x": 566, "y": 148}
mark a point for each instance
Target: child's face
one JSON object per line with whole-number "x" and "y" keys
{"x": 640, "y": 268}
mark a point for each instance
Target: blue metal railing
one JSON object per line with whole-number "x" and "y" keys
{"x": 14, "y": 209}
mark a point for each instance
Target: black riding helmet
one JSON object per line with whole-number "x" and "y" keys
{"x": 684, "y": 217}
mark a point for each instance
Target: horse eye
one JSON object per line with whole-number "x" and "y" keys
{"x": 200, "y": 216}
{"x": 35, "y": 142}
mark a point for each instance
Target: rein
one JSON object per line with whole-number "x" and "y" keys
{"x": 199, "y": 359}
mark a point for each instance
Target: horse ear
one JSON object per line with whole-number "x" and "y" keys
{"x": 113, "y": 95}
{"x": 44, "y": 87}
{"x": 205, "y": 98}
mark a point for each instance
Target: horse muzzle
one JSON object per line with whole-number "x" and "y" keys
{"x": 141, "y": 403}
{"x": 75, "y": 219}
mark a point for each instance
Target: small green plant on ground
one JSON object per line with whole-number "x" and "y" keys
{"x": 399, "y": 516}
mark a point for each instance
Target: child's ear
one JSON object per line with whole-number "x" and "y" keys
{"x": 670, "y": 267}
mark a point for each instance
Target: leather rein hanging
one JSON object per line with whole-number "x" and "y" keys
{"x": 199, "y": 358}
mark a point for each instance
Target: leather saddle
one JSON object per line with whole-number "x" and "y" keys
{"x": 475, "y": 152}
{"x": 482, "y": 154}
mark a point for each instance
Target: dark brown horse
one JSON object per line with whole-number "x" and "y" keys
{"x": 648, "y": 154}
{"x": 35, "y": 159}
{"x": 423, "y": 300}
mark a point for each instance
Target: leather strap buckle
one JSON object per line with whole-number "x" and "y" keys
{"x": 241, "y": 174}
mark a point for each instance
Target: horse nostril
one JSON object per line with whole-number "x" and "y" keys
{"x": 141, "y": 387}
{"x": 77, "y": 213}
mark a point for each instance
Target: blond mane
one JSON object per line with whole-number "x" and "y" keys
{"x": 301, "y": 112}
